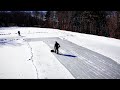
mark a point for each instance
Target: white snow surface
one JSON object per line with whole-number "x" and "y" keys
{"x": 14, "y": 64}
{"x": 46, "y": 63}
{"x": 108, "y": 47}
{"x": 15, "y": 52}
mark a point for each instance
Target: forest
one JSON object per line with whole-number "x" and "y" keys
{"x": 102, "y": 23}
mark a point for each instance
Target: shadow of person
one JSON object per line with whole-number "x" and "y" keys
{"x": 67, "y": 55}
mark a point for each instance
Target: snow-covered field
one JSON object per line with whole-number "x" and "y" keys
{"x": 22, "y": 59}
{"x": 46, "y": 64}
{"x": 108, "y": 47}
{"x": 13, "y": 61}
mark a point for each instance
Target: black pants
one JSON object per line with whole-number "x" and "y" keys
{"x": 56, "y": 50}
{"x": 19, "y": 34}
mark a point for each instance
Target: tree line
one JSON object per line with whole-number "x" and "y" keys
{"x": 103, "y": 23}
{"x": 19, "y": 18}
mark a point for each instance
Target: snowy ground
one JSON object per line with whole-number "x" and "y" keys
{"x": 108, "y": 47}
{"x": 29, "y": 56}
{"x": 13, "y": 61}
{"x": 48, "y": 67}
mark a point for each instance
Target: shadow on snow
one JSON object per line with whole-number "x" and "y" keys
{"x": 67, "y": 55}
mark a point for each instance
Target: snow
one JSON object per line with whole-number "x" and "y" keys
{"x": 15, "y": 52}
{"x": 46, "y": 63}
{"x": 13, "y": 62}
{"x": 108, "y": 47}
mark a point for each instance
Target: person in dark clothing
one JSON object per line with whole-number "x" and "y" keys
{"x": 56, "y": 47}
{"x": 19, "y": 33}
